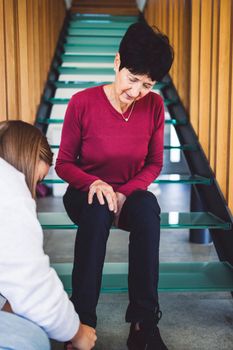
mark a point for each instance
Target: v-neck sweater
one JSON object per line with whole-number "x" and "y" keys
{"x": 97, "y": 143}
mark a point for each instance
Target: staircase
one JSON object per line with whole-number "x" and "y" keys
{"x": 84, "y": 58}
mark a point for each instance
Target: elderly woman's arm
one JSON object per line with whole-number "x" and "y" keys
{"x": 66, "y": 164}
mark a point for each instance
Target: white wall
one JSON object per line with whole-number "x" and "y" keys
{"x": 141, "y": 4}
{"x": 68, "y": 3}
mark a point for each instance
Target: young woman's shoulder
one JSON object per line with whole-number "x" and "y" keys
{"x": 12, "y": 181}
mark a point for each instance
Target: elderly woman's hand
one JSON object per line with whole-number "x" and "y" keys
{"x": 102, "y": 189}
{"x": 120, "y": 202}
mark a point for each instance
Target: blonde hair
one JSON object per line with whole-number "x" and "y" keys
{"x": 23, "y": 145}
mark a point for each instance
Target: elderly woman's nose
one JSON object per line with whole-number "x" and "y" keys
{"x": 135, "y": 91}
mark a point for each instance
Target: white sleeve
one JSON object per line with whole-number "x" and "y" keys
{"x": 26, "y": 279}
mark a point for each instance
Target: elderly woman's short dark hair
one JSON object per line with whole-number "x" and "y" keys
{"x": 144, "y": 50}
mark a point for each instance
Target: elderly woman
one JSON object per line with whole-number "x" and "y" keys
{"x": 111, "y": 151}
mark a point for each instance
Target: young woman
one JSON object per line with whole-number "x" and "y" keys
{"x": 111, "y": 150}
{"x": 28, "y": 286}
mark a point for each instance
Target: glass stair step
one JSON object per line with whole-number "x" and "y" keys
{"x": 99, "y": 25}
{"x": 102, "y": 17}
{"x": 60, "y": 121}
{"x": 162, "y": 179}
{"x": 104, "y": 32}
{"x": 92, "y": 40}
{"x": 173, "y": 277}
{"x": 89, "y": 70}
{"x": 84, "y": 85}
{"x": 91, "y": 49}
{"x": 78, "y": 85}
{"x": 64, "y": 101}
{"x": 170, "y": 220}
{"x": 87, "y": 59}
{"x": 166, "y": 147}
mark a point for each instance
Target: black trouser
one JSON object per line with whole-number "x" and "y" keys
{"x": 141, "y": 216}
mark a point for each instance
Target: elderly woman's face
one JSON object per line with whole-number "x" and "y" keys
{"x": 129, "y": 86}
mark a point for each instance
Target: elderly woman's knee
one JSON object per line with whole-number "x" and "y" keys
{"x": 144, "y": 201}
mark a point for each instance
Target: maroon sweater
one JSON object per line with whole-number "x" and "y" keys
{"x": 97, "y": 143}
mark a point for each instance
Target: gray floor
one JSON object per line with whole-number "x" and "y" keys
{"x": 191, "y": 321}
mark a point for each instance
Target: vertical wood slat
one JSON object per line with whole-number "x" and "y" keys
{"x": 205, "y": 77}
{"x": 214, "y": 84}
{"x": 171, "y": 28}
{"x": 36, "y": 49}
{"x": 31, "y": 56}
{"x": 195, "y": 64}
{"x": 223, "y": 110}
{"x": 184, "y": 59}
{"x": 176, "y": 42}
{"x": 151, "y": 8}
{"x": 230, "y": 174}
{"x": 3, "y": 107}
{"x": 11, "y": 64}
{"x": 23, "y": 86}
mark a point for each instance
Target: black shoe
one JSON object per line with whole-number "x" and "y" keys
{"x": 146, "y": 338}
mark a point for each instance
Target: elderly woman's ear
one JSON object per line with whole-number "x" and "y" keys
{"x": 117, "y": 62}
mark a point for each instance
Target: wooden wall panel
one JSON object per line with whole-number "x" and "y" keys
{"x": 214, "y": 84}
{"x": 223, "y": 109}
{"x": 175, "y": 76}
{"x": 171, "y": 27}
{"x": 230, "y": 175}
{"x": 31, "y": 58}
{"x": 195, "y": 64}
{"x": 29, "y": 30}
{"x": 11, "y": 63}
{"x": 23, "y": 64}
{"x": 3, "y": 105}
{"x": 205, "y": 81}
{"x": 201, "y": 33}
{"x": 36, "y": 50}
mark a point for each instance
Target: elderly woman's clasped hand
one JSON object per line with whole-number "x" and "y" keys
{"x": 115, "y": 200}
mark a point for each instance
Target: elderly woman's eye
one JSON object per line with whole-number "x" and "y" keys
{"x": 132, "y": 79}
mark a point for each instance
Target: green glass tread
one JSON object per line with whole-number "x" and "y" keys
{"x": 99, "y": 25}
{"x": 105, "y": 32}
{"x": 171, "y": 220}
{"x": 87, "y": 58}
{"x": 81, "y": 17}
{"x": 162, "y": 179}
{"x": 166, "y": 147}
{"x": 75, "y": 84}
{"x": 64, "y": 101}
{"x": 173, "y": 277}
{"x": 78, "y": 85}
{"x": 88, "y": 70}
{"x": 91, "y": 49}
{"x": 92, "y": 40}
{"x": 61, "y": 121}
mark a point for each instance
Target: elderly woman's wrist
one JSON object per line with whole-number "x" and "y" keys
{"x": 96, "y": 182}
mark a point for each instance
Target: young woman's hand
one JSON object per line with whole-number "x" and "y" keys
{"x": 85, "y": 338}
{"x": 103, "y": 190}
{"x": 120, "y": 202}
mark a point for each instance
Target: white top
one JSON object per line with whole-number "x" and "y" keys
{"x": 27, "y": 281}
